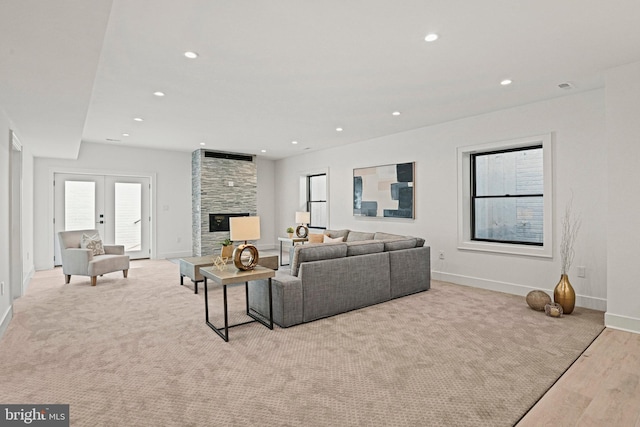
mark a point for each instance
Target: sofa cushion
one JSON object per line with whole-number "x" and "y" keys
{"x": 357, "y": 236}
{"x": 396, "y": 245}
{"x": 337, "y": 233}
{"x": 364, "y": 247}
{"x": 388, "y": 236}
{"x": 315, "y": 252}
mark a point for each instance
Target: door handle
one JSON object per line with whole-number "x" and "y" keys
{"x": 100, "y": 222}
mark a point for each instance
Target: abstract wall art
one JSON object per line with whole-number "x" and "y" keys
{"x": 384, "y": 191}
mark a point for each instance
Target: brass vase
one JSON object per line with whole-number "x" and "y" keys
{"x": 564, "y": 294}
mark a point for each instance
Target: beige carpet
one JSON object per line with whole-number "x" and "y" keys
{"x": 136, "y": 352}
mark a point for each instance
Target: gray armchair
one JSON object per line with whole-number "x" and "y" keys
{"x": 81, "y": 262}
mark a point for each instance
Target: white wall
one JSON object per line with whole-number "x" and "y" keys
{"x": 623, "y": 151}
{"x": 266, "y": 203}
{"x": 5, "y": 231}
{"x": 27, "y": 216}
{"x": 578, "y": 125}
{"x": 171, "y": 200}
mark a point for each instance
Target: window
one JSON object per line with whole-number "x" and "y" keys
{"x": 504, "y": 197}
{"x": 317, "y": 200}
{"x": 507, "y": 196}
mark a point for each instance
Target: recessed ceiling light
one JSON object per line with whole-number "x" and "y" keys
{"x": 294, "y": 142}
{"x": 431, "y": 37}
{"x": 125, "y": 134}
{"x": 338, "y": 129}
{"x": 263, "y": 151}
{"x": 506, "y": 82}
{"x": 202, "y": 143}
{"x": 138, "y": 119}
{"x": 396, "y": 113}
{"x": 191, "y": 55}
{"x": 158, "y": 93}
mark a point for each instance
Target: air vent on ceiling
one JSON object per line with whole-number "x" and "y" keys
{"x": 230, "y": 156}
{"x": 565, "y": 86}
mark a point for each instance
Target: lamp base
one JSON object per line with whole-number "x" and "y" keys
{"x": 250, "y": 262}
{"x": 302, "y": 231}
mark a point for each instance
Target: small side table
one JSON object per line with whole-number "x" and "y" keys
{"x": 191, "y": 267}
{"x": 231, "y": 276}
{"x": 292, "y": 241}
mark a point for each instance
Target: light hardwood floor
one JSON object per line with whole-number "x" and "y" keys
{"x": 602, "y": 388}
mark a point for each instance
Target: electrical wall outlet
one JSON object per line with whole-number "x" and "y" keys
{"x": 441, "y": 255}
{"x": 582, "y": 271}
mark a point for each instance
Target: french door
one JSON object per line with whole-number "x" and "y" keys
{"x": 116, "y": 206}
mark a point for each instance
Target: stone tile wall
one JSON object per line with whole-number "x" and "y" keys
{"x": 212, "y": 193}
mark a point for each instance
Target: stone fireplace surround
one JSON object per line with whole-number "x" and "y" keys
{"x": 220, "y": 183}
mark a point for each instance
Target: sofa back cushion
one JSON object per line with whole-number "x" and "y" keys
{"x": 387, "y": 236}
{"x": 358, "y": 236}
{"x": 316, "y": 252}
{"x": 397, "y": 245}
{"x": 364, "y": 247}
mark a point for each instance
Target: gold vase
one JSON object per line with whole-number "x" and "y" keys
{"x": 564, "y": 294}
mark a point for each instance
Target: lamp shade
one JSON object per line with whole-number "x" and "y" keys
{"x": 244, "y": 228}
{"x": 303, "y": 217}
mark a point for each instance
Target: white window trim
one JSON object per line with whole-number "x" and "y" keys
{"x": 464, "y": 198}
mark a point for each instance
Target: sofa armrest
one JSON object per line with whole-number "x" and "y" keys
{"x": 76, "y": 261}
{"x": 113, "y": 249}
{"x": 287, "y": 299}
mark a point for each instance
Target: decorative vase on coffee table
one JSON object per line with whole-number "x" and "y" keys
{"x": 227, "y": 251}
{"x": 564, "y": 294}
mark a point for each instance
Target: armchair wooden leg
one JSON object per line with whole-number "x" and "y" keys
{"x": 93, "y": 280}
{"x": 124, "y": 273}
{"x": 67, "y": 279}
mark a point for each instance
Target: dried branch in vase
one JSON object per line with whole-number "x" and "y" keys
{"x": 570, "y": 228}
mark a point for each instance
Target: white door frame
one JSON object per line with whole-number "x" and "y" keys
{"x": 52, "y": 171}
{"x": 16, "y": 265}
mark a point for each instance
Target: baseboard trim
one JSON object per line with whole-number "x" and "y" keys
{"x": 27, "y": 280}
{"x": 622, "y": 323}
{"x": 6, "y": 319}
{"x": 584, "y": 301}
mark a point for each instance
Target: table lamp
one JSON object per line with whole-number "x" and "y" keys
{"x": 302, "y": 218}
{"x": 245, "y": 228}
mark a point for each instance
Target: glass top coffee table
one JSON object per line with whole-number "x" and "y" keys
{"x": 230, "y": 276}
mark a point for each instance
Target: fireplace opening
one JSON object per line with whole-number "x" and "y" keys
{"x": 220, "y": 221}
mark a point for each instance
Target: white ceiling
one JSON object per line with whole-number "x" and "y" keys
{"x": 270, "y": 72}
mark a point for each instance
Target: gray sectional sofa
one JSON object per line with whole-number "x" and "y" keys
{"x": 331, "y": 278}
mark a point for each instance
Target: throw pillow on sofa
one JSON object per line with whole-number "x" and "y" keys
{"x": 328, "y": 239}
{"x": 316, "y": 238}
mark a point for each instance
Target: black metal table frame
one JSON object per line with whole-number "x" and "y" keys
{"x": 249, "y": 312}
{"x": 293, "y": 243}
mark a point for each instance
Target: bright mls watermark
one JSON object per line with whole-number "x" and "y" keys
{"x": 34, "y": 415}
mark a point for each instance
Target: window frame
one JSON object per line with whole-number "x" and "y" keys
{"x": 309, "y": 201}
{"x": 465, "y": 241}
{"x": 475, "y": 196}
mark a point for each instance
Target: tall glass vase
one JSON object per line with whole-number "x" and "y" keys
{"x": 564, "y": 294}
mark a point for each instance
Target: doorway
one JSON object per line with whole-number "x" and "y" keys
{"x": 116, "y": 206}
